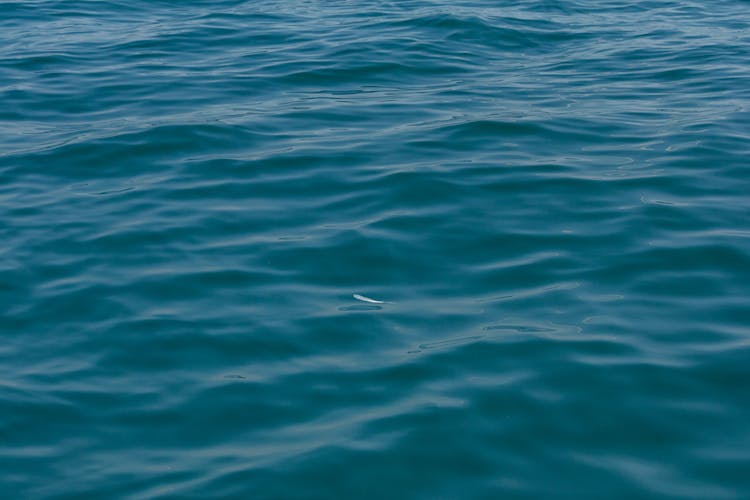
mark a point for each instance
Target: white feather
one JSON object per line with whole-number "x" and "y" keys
{"x": 367, "y": 299}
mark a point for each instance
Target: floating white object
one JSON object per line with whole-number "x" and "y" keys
{"x": 368, "y": 299}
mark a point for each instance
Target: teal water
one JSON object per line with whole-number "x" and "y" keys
{"x": 550, "y": 198}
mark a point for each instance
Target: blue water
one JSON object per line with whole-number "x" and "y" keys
{"x": 546, "y": 202}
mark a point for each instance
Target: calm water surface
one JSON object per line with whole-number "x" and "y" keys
{"x": 550, "y": 198}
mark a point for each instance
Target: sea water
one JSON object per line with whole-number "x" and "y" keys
{"x": 374, "y": 249}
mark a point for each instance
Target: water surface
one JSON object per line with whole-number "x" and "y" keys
{"x": 550, "y": 198}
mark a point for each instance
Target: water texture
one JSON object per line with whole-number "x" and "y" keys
{"x": 546, "y": 203}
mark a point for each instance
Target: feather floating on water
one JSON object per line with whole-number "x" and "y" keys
{"x": 368, "y": 299}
